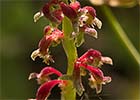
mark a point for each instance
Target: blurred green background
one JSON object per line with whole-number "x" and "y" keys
{"x": 19, "y": 36}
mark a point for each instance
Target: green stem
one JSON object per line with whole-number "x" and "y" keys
{"x": 120, "y": 32}
{"x": 71, "y": 52}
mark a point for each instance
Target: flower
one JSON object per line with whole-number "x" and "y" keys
{"x": 83, "y": 20}
{"x": 94, "y": 57}
{"x": 87, "y": 21}
{"x": 43, "y": 76}
{"x": 52, "y": 36}
{"x": 51, "y": 11}
{"x": 91, "y": 61}
{"x": 44, "y": 90}
{"x": 77, "y": 79}
{"x": 46, "y": 83}
{"x": 97, "y": 78}
{"x": 68, "y": 11}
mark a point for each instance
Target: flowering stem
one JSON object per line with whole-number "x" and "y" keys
{"x": 120, "y": 32}
{"x": 71, "y": 52}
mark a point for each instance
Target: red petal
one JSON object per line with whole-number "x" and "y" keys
{"x": 96, "y": 72}
{"x": 89, "y": 56}
{"x": 91, "y": 10}
{"x": 45, "y": 89}
{"x": 44, "y": 44}
{"x": 77, "y": 79}
{"x": 68, "y": 11}
{"x": 46, "y": 10}
{"x": 58, "y": 15}
{"x": 55, "y": 15}
{"x": 75, "y": 5}
{"x": 48, "y": 71}
{"x": 47, "y": 29}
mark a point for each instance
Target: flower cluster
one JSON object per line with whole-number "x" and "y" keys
{"x": 86, "y": 61}
{"x": 83, "y": 20}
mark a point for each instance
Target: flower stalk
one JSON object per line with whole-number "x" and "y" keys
{"x": 75, "y": 22}
{"x": 71, "y": 52}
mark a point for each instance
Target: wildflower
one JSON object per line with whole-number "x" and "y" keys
{"x": 94, "y": 58}
{"x": 68, "y": 11}
{"x": 83, "y": 20}
{"x": 97, "y": 78}
{"x": 46, "y": 83}
{"x": 52, "y": 36}
{"x": 51, "y": 11}
{"x": 77, "y": 79}
{"x": 45, "y": 89}
{"x": 86, "y": 62}
{"x": 87, "y": 21}
{"x": 43, "y": 76}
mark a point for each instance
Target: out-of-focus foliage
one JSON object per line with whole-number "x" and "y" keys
{"x": 116, "y": 3}
{"x": 19, "y": 35}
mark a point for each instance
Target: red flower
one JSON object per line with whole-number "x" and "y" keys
{"x": 43, "y": 76}
{"x": 68, "y": 11}
{"x": 44, "y": 90}
{"x": 90, "y": 10}
{"x": 77, "y": 79}
{"x": 94, "y": 58}
{"x": 46, "y": 83}
{"x": 97, "y": 77}
{"x": 51, "y": 11}
{"x": 52, "y": 36}
{"x": 75, "y": 5}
